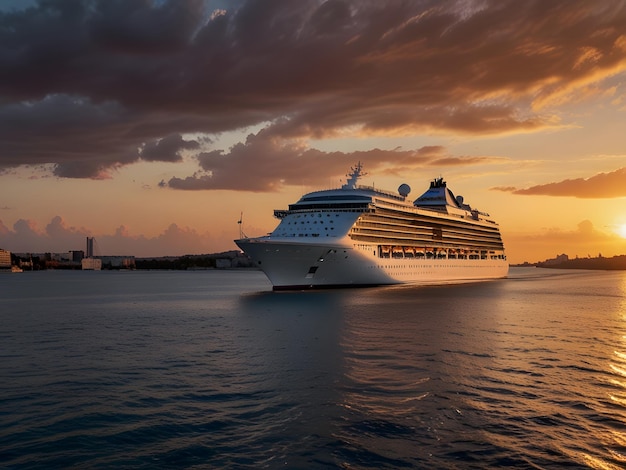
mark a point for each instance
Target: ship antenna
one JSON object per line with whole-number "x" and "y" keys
{"x": 240, "y": 222}
{"x": 355, "y": 173}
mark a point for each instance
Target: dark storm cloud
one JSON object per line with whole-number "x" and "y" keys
{"x": 167, "y": 149}
{"x": 87, "y": 84}
{"x": 602, "y": 185}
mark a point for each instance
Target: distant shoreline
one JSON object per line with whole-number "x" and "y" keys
{"x": 233, "y": 259}
{"x": 616, "y": 263}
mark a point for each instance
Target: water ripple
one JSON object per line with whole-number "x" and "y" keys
{"x": 200, "y": 370}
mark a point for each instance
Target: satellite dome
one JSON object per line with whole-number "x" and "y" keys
{"x": 404, "y": 190}
{"x": 459, "y": 199}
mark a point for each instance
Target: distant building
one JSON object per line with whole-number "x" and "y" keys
{"x": 91, "y": 264}
{"x": 558, "y": 260}
{"x": 90, "y": 241}
{"x": 60, "y": 257}
{"x": 77, "y": 256}
{"x": 223, "y": 263}
{"x": 5, "y": 259}
{"x": 232, "y": 259}
{"x": 118, "y": 262}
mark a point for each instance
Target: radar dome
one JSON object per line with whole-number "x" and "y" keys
{"x": 404, "y": 190}
{"x": 459, "y": 199}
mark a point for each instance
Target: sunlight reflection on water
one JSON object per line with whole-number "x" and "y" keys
{"x": 214, "y": 369}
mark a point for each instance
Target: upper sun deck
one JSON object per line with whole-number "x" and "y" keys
{"x": 359, "y": 192}
{"x": 358, "y": 198}
{"x": 352, "y": 197}
{"x": 350, "y": 191}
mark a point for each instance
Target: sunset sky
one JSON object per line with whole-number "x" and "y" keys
{"x": 152, "y": 125}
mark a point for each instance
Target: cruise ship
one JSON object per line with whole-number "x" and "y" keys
{"x": 363, "y": 236}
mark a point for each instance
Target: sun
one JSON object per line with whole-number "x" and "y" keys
{"x": 621, "y": 229}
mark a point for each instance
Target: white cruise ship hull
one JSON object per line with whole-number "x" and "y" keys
{"x": 293, "y": 264}
{"x": 364, "y": 236}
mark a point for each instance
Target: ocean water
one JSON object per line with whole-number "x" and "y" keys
{"x": 211, "y": 369}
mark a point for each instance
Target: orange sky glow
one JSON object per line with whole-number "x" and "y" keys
{"x": 152, "y": 125}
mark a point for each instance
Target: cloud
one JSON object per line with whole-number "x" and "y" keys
{"x": 463, "y": 161}
{"x": 602, "y": 185}
{"x": 72, "y": 133}
{"x": 90, "y": 86}
{"x": 59, "y": 237}
{"x": 266, "y": 163}
{"x": 167, "y": 149}
{"x": 173, "y": 241}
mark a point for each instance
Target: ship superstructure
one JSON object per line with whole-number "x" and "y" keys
{"x": 363, "y": 236}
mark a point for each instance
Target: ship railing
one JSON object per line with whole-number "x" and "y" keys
{"x": 384, "y": 192}
{"x": 437, "y": 252}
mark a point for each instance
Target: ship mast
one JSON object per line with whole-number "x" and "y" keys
{"x": 356, "y": 172}
{"x": 240, "y": 222}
